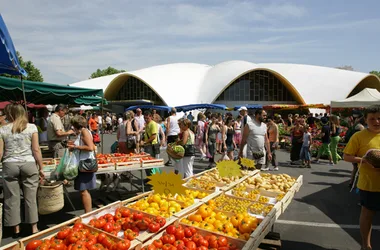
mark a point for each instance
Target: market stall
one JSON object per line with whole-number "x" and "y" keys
{"x": 235, "y": 212}
{"x": 364, "y": 98}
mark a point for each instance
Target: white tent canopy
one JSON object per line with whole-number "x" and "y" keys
{"x": 364, "y": 98}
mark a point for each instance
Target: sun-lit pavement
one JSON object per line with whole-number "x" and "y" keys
{"x": 323, "y": 214}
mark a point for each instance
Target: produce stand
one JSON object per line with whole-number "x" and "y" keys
{"x": 181, "y": 217}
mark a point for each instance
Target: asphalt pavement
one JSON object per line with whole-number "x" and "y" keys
{"x": 323, "y": 214}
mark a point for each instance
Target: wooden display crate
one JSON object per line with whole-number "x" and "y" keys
{"x": 239, "y": 243}
{"x": 261, "y": 231}
{"x": 151, "y": 163}
{"x": 218, "y": 185}
{"x": 297, "y": 185}
{"x": 50, "y": 232}
{"x": 12, "y": 246}
{"x": 135, "y": 198}
{"x": 211, "y": 194}
{"x": 271, "y": 195}
{"x": 127, "y": 165}
{"x": 106, "y": 167}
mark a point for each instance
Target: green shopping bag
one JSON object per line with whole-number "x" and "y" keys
{"x": 57, "y": 174}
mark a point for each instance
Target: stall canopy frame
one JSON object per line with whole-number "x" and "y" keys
{"x": 186, "y": 108}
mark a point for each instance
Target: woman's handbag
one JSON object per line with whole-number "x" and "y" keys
{"x": 131, "y": 142}
{"x": 257, "y": 154}
{"x": 189, "y": 150}
{"x": 88, "y": 165}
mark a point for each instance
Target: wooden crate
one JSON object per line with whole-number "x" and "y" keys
{"x": 239, "y": 243}
{"x": 135, "y": 198}
{"x": 127, "y": 165}
{"x": 106, "y": 167}
{"x": 12, "y": 246}
{"x": 296, "y": 187}
{"x": 271, "y": 195}
{"x": 152, "y": 163}
{"x": 287, "y": 200}
{"x": 261, "y": 231}
{"x": 110, "y": 208}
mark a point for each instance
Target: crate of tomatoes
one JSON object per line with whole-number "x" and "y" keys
{"x": 75, "y": 235}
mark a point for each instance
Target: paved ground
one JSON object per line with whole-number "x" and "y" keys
{"x": 323, "y": 214}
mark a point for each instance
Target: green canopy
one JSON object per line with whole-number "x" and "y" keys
{"x": 90, "y": 100}
{"x": 47, "y": 93}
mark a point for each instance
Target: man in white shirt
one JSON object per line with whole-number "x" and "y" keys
{"x": 172, "y": 130}
{"x": 255, "y": 136}
{"x": 100, "y": 124}
{"x": 139, "y": 117}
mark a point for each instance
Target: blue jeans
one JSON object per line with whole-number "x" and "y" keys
{"x": 305, "y": 153}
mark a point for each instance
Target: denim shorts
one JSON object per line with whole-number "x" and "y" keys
{"x": 370, "y": 200}
{"x": 305, "y": 154}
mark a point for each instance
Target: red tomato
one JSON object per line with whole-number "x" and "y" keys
{"x": 101, "y": 237}
{"x": 73, "y": 237}
{"x": 179, "y": 233}
{"x": 108, "y": 217}
{"x": 107, "y": 242}
{"x": 188, "y": 233}
{"x": 84, "y": 231}
{"x": 154, "y": 227}
{"x": 97, "y": 246}
{"x": 63, "y": 233}
{"x": 122, "y": 245}
{"x": 222, "y": 241}
{"x": 79, "y": 247}
{"x": 108, "y": 227}
{"x": 196, "y": 238}
{"x": 203, "y": 242}
{"x": 142, "y": 225}
{"x": 202, "y": 248}
{"x": 57, "y": 245}
{"x": 137, "y": 216}
{"x": 232, "y": 246}
{"x": 178, "y": 243}
{"x": 136, "y": 230}
{"x": 213, "y": 243}
{"x": 168, "y": 239}
{"x": 125, "y": 212}
{"x": 193, "y": 230}
{"x": 158, "y": 243}
{"x": 78, "y": 225}
{"x": 160, "y": 220}
{"x": 33, "y": 244}
{"x": 90, "y": 240}
{"x": 116, "y": 227}
{"x": 191, "y": 245}
{"x": 170, "y": 229}
{"x": 99, "y": 223}
{"x": 168, "y": 247}
{"x": 182, "y": 247}
{"x": 151, "y": 247}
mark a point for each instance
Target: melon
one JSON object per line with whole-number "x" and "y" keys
{"x": 373, "y": 158}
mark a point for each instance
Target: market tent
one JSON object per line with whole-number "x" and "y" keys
{"x": 30, "y": 105}
{"x": 45, "y": 93}
{"x": 90, "y": 100}
{"x": 364, "y": 98}
{"x": 186, "y": 108}
{"x": 162, "y": 108}
{"x": 249, "y": 106}
{"x": 9, "y": 63}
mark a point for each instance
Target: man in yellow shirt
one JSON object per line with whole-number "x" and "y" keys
{"x": 369, "y": 176}
{"x": 150, "y": 137}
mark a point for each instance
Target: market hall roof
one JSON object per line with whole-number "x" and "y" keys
{"x": 200, "y": 83}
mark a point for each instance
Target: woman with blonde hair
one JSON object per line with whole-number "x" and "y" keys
{"x": 20, "y": 151}
{"x": 335, "y": 138}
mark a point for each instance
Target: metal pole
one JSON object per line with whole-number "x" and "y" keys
{"x": 23, "y": 93}
{"x": 102, "y": 137}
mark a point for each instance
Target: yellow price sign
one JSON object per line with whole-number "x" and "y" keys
{"x": 228, "y": 168}
{"x": 248, "y": 163}
{"x": 167, "y": 183}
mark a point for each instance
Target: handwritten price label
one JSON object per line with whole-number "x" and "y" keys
{"x": 228, "y": 169}
{"x": 167, "y": 183}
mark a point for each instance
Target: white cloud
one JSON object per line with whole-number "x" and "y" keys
{"x": 68, "y": 40}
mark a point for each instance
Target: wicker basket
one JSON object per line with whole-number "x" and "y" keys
{"x": 50, "y": 199}
{"x": 174, "y": 155}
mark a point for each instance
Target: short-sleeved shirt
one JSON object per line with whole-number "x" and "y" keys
{"x": 358, "y": 146}
{"x": 326, "y": 130}
{"x": 93, "y": 124}
{"x": 140, "y": 121}
{"x": 256, "y": 138}
{"x": 18, "y": 146}
{"x": 151, "y": 129}
{"x": 55, "y": 124}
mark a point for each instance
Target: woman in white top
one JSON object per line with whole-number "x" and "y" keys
{"x": 201, "y": 135}
{"x": 20, "y": 151}
{"x": 126, "y": 136}
{"x": 172, "y": 130}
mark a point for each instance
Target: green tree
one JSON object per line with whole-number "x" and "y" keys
{"x": 34, "y": 74}
{"x": 105, "y": 72}
{"x": 374, "y": 72}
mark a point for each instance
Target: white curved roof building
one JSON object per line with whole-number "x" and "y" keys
{"x": 233, "y": 83}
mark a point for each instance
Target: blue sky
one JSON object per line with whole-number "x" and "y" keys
{"x": 68, "y": 40}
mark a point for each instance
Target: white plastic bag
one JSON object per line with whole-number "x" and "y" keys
{"x": 71, "y": 168}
